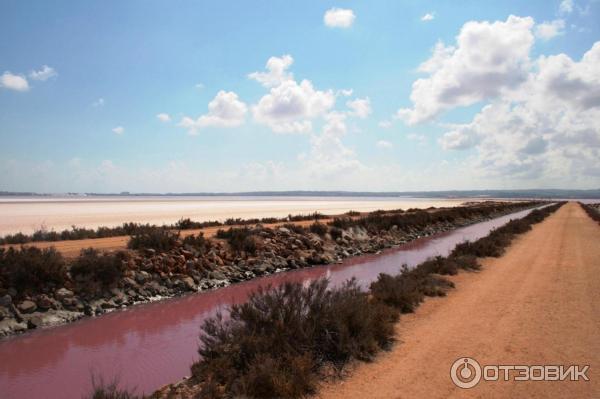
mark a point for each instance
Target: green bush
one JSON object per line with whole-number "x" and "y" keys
{"x": 32, "y": 270}
{"x": 158, "y": 238}
{"x": 319, "y": 229}
{"x": 275, "y": 344}
{"x": 240, "y": 239}
{"x": 105, "y": 268}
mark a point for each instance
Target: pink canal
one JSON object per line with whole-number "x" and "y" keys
{"x": 154, "y": 344}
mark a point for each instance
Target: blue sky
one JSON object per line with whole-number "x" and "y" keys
{"x": 83, "y": 82}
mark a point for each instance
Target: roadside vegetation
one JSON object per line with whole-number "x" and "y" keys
{"x": 128, "y": 229}
{"x": 285, "y": 339}
{"x": 593, "y": 210}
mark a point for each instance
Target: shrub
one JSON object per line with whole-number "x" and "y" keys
{"x": 102, "y": 390}
{"x": 197, "y": 242}
{"x": 158, "y": 238}
{"x": 318, "y": 228}
{"x": 275, "y": 344}
{"x": 105, "y": 268}
{"x": 335, "y": 233}
{"x": 32, "y": 270}
{"x": 240, "y": 239}
{"x": 295, "y": 228}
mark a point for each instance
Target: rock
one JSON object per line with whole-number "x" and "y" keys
{"x": 129, "y": 282}
{"x": 63, "y": 293}
{"x": 44, "y": 302}
{"x": 189, "y": 283}
{"x": 51, "y": 318}
{"x": 217, "y": 275}
{"x": 70, "y": 303}
{"x": 11, "y": 326}
{"x": 27, "y": 306}
{"x": 6, "y": 300}
{"x": 142, "y": 276}
{"x": 4, "y": 313}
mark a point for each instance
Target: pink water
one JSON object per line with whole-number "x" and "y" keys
{"x": 150, "y": 345}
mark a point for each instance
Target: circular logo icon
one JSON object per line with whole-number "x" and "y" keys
{"x": 465, "y": 372}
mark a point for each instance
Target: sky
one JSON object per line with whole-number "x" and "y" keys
{"x": 228, "y": 96}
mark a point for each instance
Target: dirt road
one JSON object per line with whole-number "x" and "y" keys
{"x": 538, "y": 304}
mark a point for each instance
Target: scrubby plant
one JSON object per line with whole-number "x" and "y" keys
{"x": 275, "y": 344}
{"x": 158, "y": 238}
{"x": 198, "y": 242}
{"x": 335, "y": 233}
{"x": 32, "y": 270}
{"x": 318, "y": 228}
{"x": 240, "y": 239}
{"x": 295, "y": 228}
{"x": 103, "y": 390}
{"x": 104, "y": 268}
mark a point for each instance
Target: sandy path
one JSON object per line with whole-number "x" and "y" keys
{"x": 538, "y": 304}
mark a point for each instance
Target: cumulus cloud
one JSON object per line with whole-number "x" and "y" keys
{"x": 163, "y": 117}
{"x": 119, "y": 130}
{"x": 289, "y": 106}
{"x": 428, "y": 17}
{"x": 226, "y": 110}
{"x": 385, "y": 124}
{"x": 548, "y": 30}
{"x": 547, "y": 130}
{"x": 566, "y": 7}
{"x": 360, "y": 107}
{"x": 43, "y": 74}
{"x": 276, "y": 71}
{"x": 13, "y": 82}
{"x": 339, "y": 18}
{"x": 488, "y": 59}
{"x": 384, "y": 144}
{"x": 329, "y": 156}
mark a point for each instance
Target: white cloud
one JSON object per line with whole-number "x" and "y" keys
{"x": 119, "y": 130}
{"x": 276, "y": 71}
{"x": 547, "y": 131}
{"x": 488, "y": 59}
{"x": 289, "y": 107}
{"x": 329, "y": 157}
{"x": 548, "y": 30}
{"x": 339, "y": 18}
{"x": 344, "y": 92}
{"x": 43, "y": 74}
{"x": 361, "y": 107}
{"x": 224, "y": 111}
{"x": 199, "y": 86}
{"x": 428, "y": 17}
{"x": 385, "y": 124}
{"x": 384, "y": 144}
{"x": 14, "y": 82}
{"x": 98, "y": 103}
{"x": 163, "y": 117}
{"x": 566, "y": 7}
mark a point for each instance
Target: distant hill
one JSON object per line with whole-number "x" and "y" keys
{"x": 530, "y": 193}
